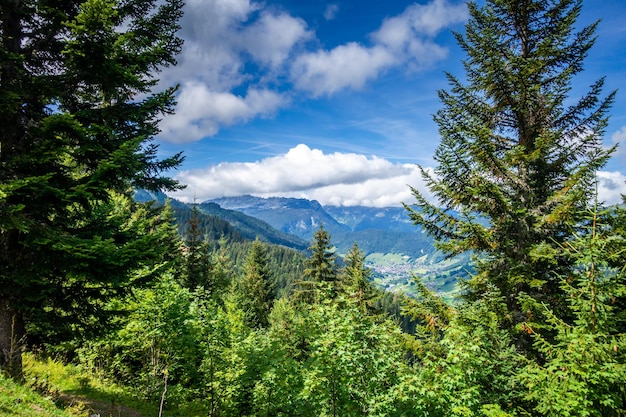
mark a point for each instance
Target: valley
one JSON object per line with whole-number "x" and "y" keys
{"x": 396, "y": 250}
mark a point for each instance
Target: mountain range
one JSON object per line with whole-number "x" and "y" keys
{"x": 386, "y": 230}
{"x": 395, "y": 249}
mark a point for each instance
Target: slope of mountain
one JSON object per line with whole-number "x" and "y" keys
{"x": 386, "y": 230}
{"x": 252, "y": 227}
{"x": 295, "y": 216}
{"x": 216, "y": 221}
{"x": 395, "y": 248}
{"x": 371, "y": 218}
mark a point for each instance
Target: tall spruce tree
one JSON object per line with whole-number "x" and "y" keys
{"x": 198, "y": 259}
{"x": 355, "y": 278}
{"x": 255, "y": 287}
{"x": 518, "y": 156}
{"x": 78, "y": 114}
{"x": 321, "y": 268}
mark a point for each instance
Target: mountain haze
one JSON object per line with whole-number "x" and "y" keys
{"x": 395, "y": 248}
{"x": 216, "y": 221}
{"x": 296, "y": 216}
{"x": 374, "y": 229}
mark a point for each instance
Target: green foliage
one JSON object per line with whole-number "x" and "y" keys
{"x": 76, "y": 139}
{"x": 128, "y": 245}
{"x": 221, "y": 270}
{"x": 76, "y": 391}
{"x": 232, "y": 360}
{"x": 157, "y": 336}
{"x": 254, "y": 288}
{"x": 197, "y": 260}
{"x": 327, "y": 359}
{"x": 355, "y": 279}
{"x": 540, "y": 328}
{"x": 321, "y": 275}
{"x": 252, "y": 228}
{"x": 352, "y": 363}
{"x": 20, "y": 401}
{"x": 584, "y": 366}
{"x": 517, "y": 161}
{"x": 469, "y": 368}
{"x": 432, "y": 316}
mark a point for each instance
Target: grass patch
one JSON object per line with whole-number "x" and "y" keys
{"x": 68, "y": 386}
{"x": 18, "y": 400}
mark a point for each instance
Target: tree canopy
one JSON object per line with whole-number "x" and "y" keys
{"x": 518, "y": 154}
{"x": 78, "y": 110}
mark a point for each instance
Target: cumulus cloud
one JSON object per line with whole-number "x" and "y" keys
{"x": 332, "y": 179}
{"x": 405, "y": 40}
{"x": 331, "y": 11}
{"x": 372, "y": 192}
{"x": 246, "y": 45}
{"x": 420, "y": 19}
{"x": 222, "y": 38}
{"x": 346, "y": 66}
{"x": 611, "y": 187}
{"x": 270, "y": 39}
{"x": 338, "y": 179}
{"x": 201, "y": 111}
{"x": 619, "y": 138}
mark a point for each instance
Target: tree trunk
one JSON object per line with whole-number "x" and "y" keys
{"x": 12, "y": 338}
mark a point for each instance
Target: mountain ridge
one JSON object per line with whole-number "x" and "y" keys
{"x": 395, "y": 249}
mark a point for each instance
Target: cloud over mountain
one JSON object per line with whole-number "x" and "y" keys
{"x": 338, "y": 179}
{"x": 332, "y": 179}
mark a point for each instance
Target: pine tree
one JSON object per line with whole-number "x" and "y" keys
{"x": 221, "y": 269}
{"x": 517, "y": 160}
{"x": 584, "y": 366}
{"x": 321, "y": 268}
{"x": 355, "y": 278}
{"x": 78, "y": 113}
{"x": 198, "y": 259}
{"x": 254, "y": 288}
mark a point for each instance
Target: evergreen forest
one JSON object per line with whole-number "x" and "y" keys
{"x": 114, "y": 306}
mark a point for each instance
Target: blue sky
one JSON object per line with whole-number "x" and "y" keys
{"x": 333, "y": 100}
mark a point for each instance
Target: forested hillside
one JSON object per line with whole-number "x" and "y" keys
{"x": 217, "y": 222}
{"x": 394, "y": 248}
{"x": 376, "y": 230}
{"x": 101, "y": 292}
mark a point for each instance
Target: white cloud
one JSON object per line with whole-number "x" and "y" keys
{"x": 331, "y": 11}
{"x": 346, "y": 66}
{"x": 246, "y": 45}
{"x": 420, "y": 19}
{"x": 339, "y": 179}
{"x": 201, "y": 111}
{"x": 411, "y": 34}
{"x": 619, "y": 138}
{"x": 611, "y": 186}
{"x": 211, "y": 53}
{"x": 271, "y": 38}
{"x": 221, "y": 38}
{"x": 332, "y": 179}
{"x": 373, "y": 192}
{"x": 405, "y": 40}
